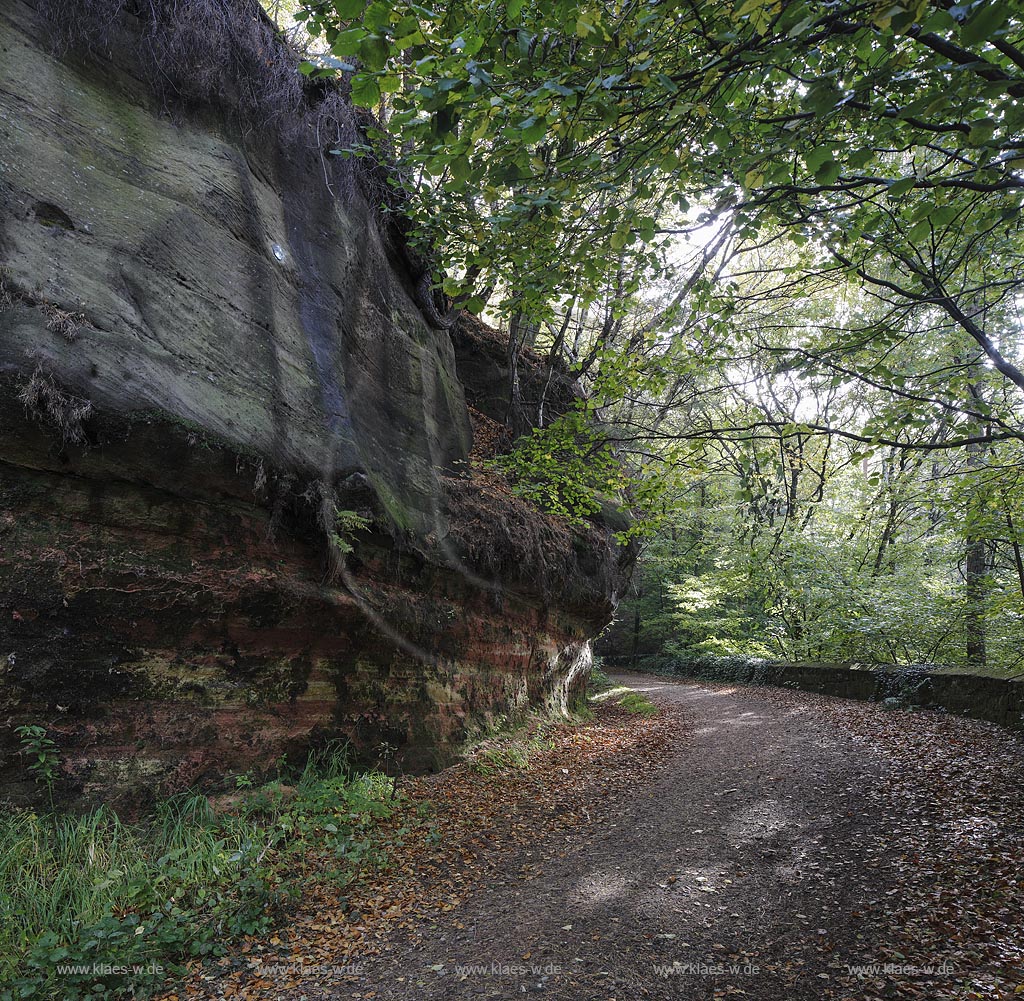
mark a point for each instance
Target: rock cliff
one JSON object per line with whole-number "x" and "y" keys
{"x": 237, "y": 510}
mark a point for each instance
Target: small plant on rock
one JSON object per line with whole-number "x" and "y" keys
{"x": 346, "y": 523}
{"x": 61, "y": 322}
{"x": 42, "y": 754}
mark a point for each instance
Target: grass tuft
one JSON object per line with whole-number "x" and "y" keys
{"x": 634, "y": 702}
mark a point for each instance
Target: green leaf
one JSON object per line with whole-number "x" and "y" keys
{"x": 348, "y": 43}
{"x": 460, "y": 168}
{"x": 985, "y": 22}
{"x": 827, "y": 173}
{"x": 816, "y": 157}
{"x": 749, "y": 5}
{"x": 585, "y": 24}
{"x": 822, "y": 97}
{"x": 348, "y": 10}
{"x": 981, "y": 131}
{"x": 414, "y": 38}
{"x": 901, "y": 187}
{"x": 920, "y": 231}
{"x": 365, "y": 91}
{"x": 534, "y": 133}
{"x": 753, "y": 179}
{"x": 374, "y": 51}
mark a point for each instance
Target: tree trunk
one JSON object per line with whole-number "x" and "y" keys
{"x": 975, "y": 558}
{"x": 974, "y": 577}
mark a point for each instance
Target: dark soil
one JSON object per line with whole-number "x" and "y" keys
{"x": 765, "y": 860}
{"x": 752, "y": 843}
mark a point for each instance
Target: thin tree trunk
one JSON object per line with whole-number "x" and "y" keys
{"x": 975, "y": 563}
{"x": 974, "y": 577}
{"x": 1018, "y": 559}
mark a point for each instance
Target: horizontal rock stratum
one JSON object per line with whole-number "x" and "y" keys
{"x": 236, "y": 512}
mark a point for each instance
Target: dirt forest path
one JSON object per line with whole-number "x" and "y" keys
{"x": 762, "y": 862}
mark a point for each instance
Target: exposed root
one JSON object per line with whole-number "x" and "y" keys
{"x": 259, "y": 486}
{"x": 321, "y": 496}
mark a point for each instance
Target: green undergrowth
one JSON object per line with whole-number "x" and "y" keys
{"x": 598, "y": 682}
{"x": 514, "y": 750}
{"x": 94, "y": 907}
{"x": 513, "y": 743}
{"x": 635, "y": 702}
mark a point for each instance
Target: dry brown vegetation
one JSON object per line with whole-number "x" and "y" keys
{"x": 51, "y": 404}
{"x": 63, "y": 323}
{"x": 209, "y": 52}
{"x": 507, "y": 538}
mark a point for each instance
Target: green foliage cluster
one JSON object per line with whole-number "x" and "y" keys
{"x": 545, "y": 141}
{"x": 598, "y": 681}
{"x": 92, "y": 889}
{"x": 871, "y": 570}
{"x": 780, "y": 248}
{"x": 570, "y": 468}
{"x": 511, "y": 753}
{"x": 566, "y": 158}
{"x": 42, "y": 759}
{"x": 499, "y": 759}
{"x": 346, "y": 524}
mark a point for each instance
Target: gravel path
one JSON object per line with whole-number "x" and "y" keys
{"x": 743, "y": 870}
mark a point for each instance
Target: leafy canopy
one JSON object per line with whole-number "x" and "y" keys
{"x": 545, "y": 142}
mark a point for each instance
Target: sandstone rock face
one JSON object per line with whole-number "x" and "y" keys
{"x": 236, "y": 516}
